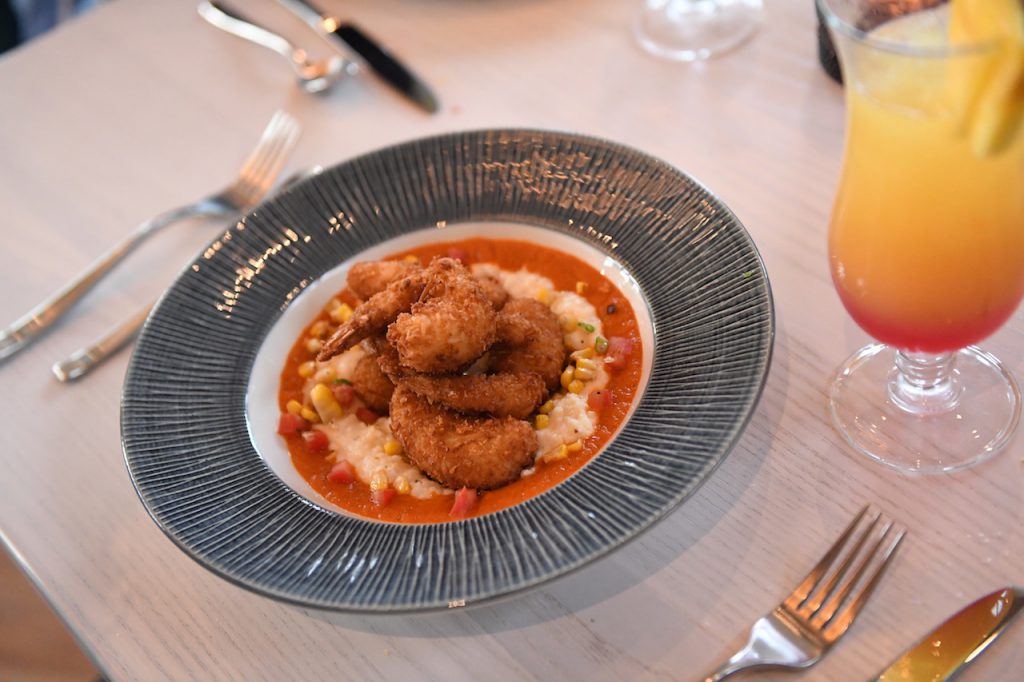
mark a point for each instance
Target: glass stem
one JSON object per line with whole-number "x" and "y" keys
{"x": 925, "y": 384}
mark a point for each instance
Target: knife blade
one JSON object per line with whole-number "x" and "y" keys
{"x": 946, "y": 650}
{"x": 379, "y": 59}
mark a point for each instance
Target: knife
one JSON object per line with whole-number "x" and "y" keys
{"x": 389, "y": 68}
{"x": 944, "y": 652}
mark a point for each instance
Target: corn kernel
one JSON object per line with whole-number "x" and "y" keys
{"x": 342, "y": 313}
{"x": 575, "y": 386}
{"x": 379, "y": 481}
{"x": 581, "y": 287}
{"x": 411, "y": 259}
{"x": 332, "y": 305}
{"x": 582, "y": 354}
{"x": 541, "y": 421}
{"x": 568, "y": 324}
{"x": 293, "y": 407}
{"x": 547, "y": 407}
{"x": 575, "y": 447}
{"x": 544, "y": 296}
{"x": 583, "y": 374}
{"x": 314, "y": 345}
{"x": 586, "y": 363}
{"x": 392, "y": 447}
{"x": 325, "y": 403}
{"x": 402, "y": 486}
{"x": 306, "y": 369}
{"x": 310, "y": 415}
{"x": 319, "y": 329}
{"x": 567, "y": 376}
{"x": 559, "y": 453}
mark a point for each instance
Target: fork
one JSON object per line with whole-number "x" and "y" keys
{"x": 85, "y": 359}
{"x": 253, "y": 182}
{"x": 800, "y": 630}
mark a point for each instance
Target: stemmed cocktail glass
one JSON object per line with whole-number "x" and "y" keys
{"x": 689, "y": 30}
{"x": 926, "y": 241}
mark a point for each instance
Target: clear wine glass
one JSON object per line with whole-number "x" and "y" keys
{"x": 926, "y": 240}
{"x": 689, "y": 30}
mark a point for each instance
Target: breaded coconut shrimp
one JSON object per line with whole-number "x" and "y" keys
{"x": 514, "y": 394}
{"x": 374, "y": 314}
{"x": 449, "y": 327}
{"x": 493, "y": 289}
{"x": 529, "y": 340}
{"x": 460, "y": 450}
{"x": 368, "y": 278}
{"x": 371, "y": 384}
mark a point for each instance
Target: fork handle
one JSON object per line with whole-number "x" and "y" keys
{"x": 84, "y": 360}
{"x": 43, "y": 316}
{"x": 232, "y": 21}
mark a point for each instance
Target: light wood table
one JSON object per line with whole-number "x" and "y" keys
{"x": 139, "y": 106}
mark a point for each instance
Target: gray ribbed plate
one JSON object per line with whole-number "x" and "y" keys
{"x": 183, "y": 416}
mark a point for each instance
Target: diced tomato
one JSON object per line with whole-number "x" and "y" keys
{"x": 460, "y": 255}
{"x": 600, "y": 400}
{"x": 381, "y": 498}
{"x": 316, "y": 440}
{"x": 342, "y": 472}
{"x": 366, "y": 415}
{"x": 343, "y": 393}
{"x": 465, "y": 500}
{"x": 289, "y": 424}
{"x": 619, "y": 350}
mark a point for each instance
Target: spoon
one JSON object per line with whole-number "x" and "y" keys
{"x": 314, "y": 76}
{"x": 86, "y": 359}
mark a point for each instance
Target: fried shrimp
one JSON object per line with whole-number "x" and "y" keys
{"x": 492, "y": 288}
{"x": 529, "y": 340}
{"x": 515, "y": 394}
{"x": 449, "y": 327}
{"x": 437, "y": 317}
{"x": 460, "y": 450}
{"x": 371, "y": 384}
{"x": 370, "y": 277}
{"x": 374, "y": 314}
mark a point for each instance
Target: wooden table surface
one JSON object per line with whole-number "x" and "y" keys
{"x": 138, "y": 106}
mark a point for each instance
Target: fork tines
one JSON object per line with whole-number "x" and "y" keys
{"x": 266, "y": 160}
{"x": 835, "y": 590}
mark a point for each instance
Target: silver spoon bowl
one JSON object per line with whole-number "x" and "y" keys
{"x": 313, "y": 75}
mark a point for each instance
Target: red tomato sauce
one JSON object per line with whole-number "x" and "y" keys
{"x": 565, "y": 271}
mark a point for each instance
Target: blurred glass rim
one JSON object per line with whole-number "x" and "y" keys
{"x": 839, "y": 25}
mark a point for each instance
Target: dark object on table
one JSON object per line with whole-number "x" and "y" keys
{"x": 10, "y": 36}
{"x": 877, "y": 12}
{"x": 827, "y": 51}
{"x": 381, "y": 61}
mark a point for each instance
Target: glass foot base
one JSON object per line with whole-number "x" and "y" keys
{"x": 689, "y": 30}
{"x": 984, "y": 412}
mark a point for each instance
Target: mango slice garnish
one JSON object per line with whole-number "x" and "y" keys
{"x": 989, "y": 86}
